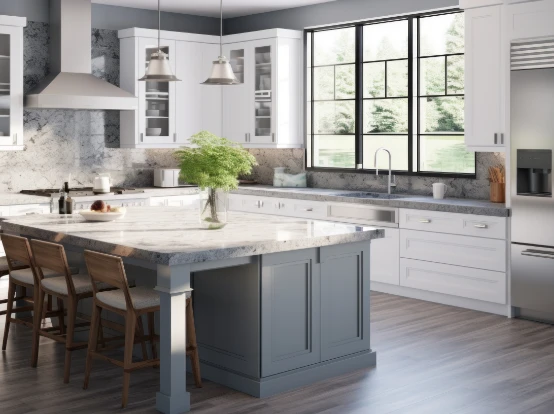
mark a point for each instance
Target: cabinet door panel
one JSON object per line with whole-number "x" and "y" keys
{"x": 344, "y": 299}
{"x": 384, "y": 261}
{"x": 238, "y": 99}
{"x": 11, "y": 86}
{"x": 483, "y": 77}
{"x": 290, "y": 311}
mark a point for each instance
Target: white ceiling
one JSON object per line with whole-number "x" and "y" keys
{"x": 231, "y": 8}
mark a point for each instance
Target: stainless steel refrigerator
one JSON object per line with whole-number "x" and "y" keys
{"x": 532, "y": 148}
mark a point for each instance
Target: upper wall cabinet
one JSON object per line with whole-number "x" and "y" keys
{"x": 484, "y": 80}
{"x": 169, "y": 112}
{"x": 11, "y": 82}
{"x": 265, "y": 109}
{"x": 530, "y": 20}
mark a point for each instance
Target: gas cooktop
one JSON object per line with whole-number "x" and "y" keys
{"x": 82, "y": 191}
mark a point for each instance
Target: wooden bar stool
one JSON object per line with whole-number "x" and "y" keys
{"x": 21, "y": 270}
{"x": 131, "y": 303}
{"x": 51, "y": 258}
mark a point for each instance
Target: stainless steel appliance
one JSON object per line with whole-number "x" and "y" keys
{"x": 532, "y": 138}
{"x": 166, "y": 177}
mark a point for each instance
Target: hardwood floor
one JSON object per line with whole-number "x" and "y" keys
{"x": 430, "y": 359}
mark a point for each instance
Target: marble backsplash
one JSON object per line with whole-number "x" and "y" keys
{"x": 293, "y": 159}
{"x": 83, "y": 143}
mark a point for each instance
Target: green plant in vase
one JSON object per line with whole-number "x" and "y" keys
{"x": 214, "y": 164}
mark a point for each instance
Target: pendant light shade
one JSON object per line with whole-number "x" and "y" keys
{"x": 222, "y": 72}
{"x": 159, "y": 69}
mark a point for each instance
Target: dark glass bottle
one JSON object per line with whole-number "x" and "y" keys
{"x": 61, "y": 202}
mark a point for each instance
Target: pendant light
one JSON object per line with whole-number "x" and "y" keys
{"x": 222, "y": 72}
{"x": 159, "y": 69}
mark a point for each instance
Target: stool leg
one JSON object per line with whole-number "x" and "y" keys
{"x": 92, "y": 342}
{"x": 140, "y": 329}
{"x": 151, "y": 333}
{"x": 9, "y": 307}
{"x": 71, "y": 316}
{"x": 191, "y": 345}
{"x": 130, "y": 323}
{"x": 37, "y": 318}
{"x": 61, "y": 320}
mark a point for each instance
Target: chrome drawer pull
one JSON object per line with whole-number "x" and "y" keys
{"x": 538, "y": 253}
{"x": 308, "y": 209}
{"x": 481, "y": 226}
{"x": 424, "y": 221}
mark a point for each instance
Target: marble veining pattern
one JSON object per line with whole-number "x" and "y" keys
{"x": 172, "y": 236}
{"x": 80, "y": 143}
{"x": 451, "y": 205}
{"x": 293, "y": 159}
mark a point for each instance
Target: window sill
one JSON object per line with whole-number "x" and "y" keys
{"x": 384, "y": 172}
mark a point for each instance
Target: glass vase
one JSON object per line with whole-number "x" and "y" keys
{"x": 213, "y": 208}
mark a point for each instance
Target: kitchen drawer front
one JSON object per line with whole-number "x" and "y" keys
{"x": 460, "y": 281}
{"x": 190, "y": 202}
{"x": 355, "y": 213}
{"x": 304, "y": 209}
{"x": 454, "y": 223}
{"x": 252, "y": 204}
{"x": 22, "y": 210}
{"x": 475, "y": 252}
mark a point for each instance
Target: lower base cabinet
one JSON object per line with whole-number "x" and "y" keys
{"x": 289, "y": 311}
{"x": 385, "y": 256}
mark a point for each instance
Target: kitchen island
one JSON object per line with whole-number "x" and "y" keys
{"x": 279, "y": 302}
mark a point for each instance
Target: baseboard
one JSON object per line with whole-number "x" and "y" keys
{"x": 478, "y": 305}
{"x": 290, "y": 380}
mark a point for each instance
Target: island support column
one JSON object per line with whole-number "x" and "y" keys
{"x": 173, "y": 283}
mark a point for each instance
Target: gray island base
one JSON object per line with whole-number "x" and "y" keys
{"x": 279, "y": 302}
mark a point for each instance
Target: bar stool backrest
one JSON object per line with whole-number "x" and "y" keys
{"x": 18, "y": 250}
{"x": 52, "y": 256}
{"x": 105, "y": 268}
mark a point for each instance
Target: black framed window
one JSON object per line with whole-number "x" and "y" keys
{"x": 396, "y": 83}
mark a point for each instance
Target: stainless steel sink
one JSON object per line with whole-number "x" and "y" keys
{"x": 383, "y": 196}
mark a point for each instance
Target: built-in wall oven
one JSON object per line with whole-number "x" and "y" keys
{"x": 532, "y": 232}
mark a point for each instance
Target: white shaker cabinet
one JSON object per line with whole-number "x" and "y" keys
{"x": 11, "y": 82}
{"x": 265, "y": 109}
{"x": 484, "y": 80}
{"x": 169, "y": 112}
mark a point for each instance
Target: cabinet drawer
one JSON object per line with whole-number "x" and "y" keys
{"x": 252, "y": 204}
{"x": 476, "y": 252}
{"x": 305, "y": 209}
{"x": 454, "y": 280}
{"x": 454, "y": 223}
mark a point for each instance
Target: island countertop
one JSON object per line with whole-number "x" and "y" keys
{"x": 172, "y": 235}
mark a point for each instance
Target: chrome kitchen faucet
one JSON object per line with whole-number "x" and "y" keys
{"x": 392, "y": 178}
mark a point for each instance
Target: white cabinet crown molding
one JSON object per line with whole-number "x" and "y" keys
{"x": 13, "y": 21}
{"x": 167, "y": 35}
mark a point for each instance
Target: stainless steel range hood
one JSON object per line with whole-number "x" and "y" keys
{"x": 71, "y": 84}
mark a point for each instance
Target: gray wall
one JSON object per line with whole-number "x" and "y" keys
{"x": 329, "y": 13}
{"x": 116, "y": 18}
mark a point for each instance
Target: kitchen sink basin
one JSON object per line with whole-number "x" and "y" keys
{"x": 383, "y": 196}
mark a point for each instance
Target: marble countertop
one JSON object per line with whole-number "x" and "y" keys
{"x": 451, "y": 205}
{"x": 172, "y": 236}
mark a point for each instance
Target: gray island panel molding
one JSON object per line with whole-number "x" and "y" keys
{"x": 172, "y": 235}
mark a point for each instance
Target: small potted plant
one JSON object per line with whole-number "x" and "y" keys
{"x": 214, "y": 164}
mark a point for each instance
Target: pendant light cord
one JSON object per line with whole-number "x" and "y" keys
{"x": 159, "y": 24}
{"x": 221, "y": 28}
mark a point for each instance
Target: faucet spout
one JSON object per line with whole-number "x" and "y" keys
{"x": 391, "y": 182}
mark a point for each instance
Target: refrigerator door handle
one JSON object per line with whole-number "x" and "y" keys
{"x": 538, "y": 253}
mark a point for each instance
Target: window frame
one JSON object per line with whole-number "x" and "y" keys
{"x": 414, "y": 134}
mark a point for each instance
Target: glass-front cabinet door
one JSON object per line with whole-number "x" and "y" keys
{"x": 237, "y": 98}
{"x": 156, "y": 99}
{"x": 262, "y": 107}
{"x": 11, "y": 87}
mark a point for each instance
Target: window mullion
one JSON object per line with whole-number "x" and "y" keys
{"x": 358, "y": 129}
{"x": 410, "y": 94}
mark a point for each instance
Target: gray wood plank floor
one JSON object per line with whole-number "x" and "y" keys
{"x": 430, "y": 359}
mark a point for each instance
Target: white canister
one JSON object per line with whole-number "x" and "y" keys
{"x": 439, "y": 190}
